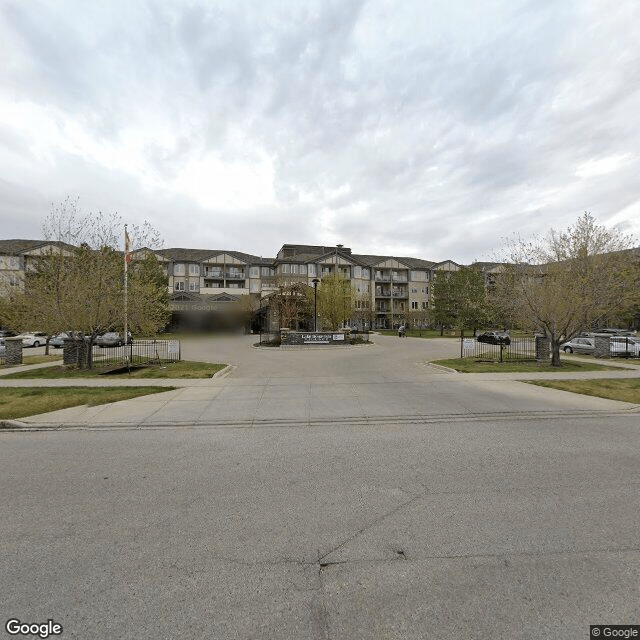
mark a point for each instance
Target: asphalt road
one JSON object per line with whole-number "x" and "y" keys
{"x": 515, "y": 520}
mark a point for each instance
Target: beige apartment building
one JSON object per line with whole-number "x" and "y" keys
{"x": 387, "y": 288}
{"x": 204, "y": 284}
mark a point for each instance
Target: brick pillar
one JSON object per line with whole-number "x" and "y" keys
{"x": 543, "y": 350}
{"x": 74, "y": 352}
{"x": 13, "y": 354}
{"x": 602, "y": 344}
{"x": 69, "y": 352}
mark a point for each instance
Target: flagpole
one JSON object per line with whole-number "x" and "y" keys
{"x": 125, "y": 337}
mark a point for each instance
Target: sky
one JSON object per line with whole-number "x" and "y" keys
{"x": 423, "y": 128}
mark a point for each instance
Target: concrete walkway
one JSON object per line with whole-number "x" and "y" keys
{"x": 388, "y": 381}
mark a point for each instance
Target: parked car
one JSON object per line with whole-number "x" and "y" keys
{"x": 58, "y": 340}
{"x": 35, "y": 339}
{"x": 112, "y": 339}
{"x": 494, "y": 337}
{"x": 579, "y": 345}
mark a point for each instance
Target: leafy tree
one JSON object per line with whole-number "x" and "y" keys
{"x": 568, "y": 281}
{"x": 335, "y": 300}
{"x": 79, "y": 285}
{"x": 459, "y": 299}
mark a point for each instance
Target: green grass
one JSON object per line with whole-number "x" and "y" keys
{"x": 627, "y": 390}
{"x": 181, "y": 369}
{"x": 53, "y": 356}
{"x": 448, "y": 333}
{"x": 18, "y": 403}
{"x": 469, "y": 365}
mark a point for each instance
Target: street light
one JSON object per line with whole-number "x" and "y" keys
{"x": 315, "y": 304}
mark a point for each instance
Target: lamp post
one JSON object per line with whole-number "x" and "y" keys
{"x": 315, "y": 304}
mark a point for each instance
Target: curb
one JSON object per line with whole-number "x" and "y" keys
{"x": 13, "y": 424}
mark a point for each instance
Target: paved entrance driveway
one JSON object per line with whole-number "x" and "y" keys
{"x": 328, "y": 495}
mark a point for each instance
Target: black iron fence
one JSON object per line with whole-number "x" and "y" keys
{"x": 140, "y": 352}
{"x": 518, "y": 350}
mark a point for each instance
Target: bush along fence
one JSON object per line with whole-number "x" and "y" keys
{"x": 74, "y": 352}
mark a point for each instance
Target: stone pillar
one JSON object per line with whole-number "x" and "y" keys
{"x": 284, "y": 335}
{"x": 543, "y": 350}
{"x": 74, "y": 352}
{"x": 602, "y": 344}
{"x": 13, "y": 354}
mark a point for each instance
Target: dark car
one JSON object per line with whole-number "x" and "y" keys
{"x": 494, "y": 337}
{"x": 112, "y": 339}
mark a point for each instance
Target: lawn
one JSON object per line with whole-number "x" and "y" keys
{"x": 469, "y": 365}
{"x": 627, "y": 390}
{"x": 181, "y": 369}
{"x": 18, "y": 403}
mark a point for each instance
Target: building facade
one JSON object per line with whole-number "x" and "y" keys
{"x": 213, "y": 288}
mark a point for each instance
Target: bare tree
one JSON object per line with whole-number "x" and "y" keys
{"x": 568, "y": 281}
{"x": 292, "y": 302}
{"x": 78, "y": 285}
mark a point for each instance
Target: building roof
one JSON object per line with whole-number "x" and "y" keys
{"x": 200, "y": 255}
{"x": 19, "y": 247}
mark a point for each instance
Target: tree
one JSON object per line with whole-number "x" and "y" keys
{"x": 459, "y": 299}
{"x": 568, "y": 281}
{"x": 291, "y": 303}
{"x": 78, "y": 285}
{"x": 335, "y": 300}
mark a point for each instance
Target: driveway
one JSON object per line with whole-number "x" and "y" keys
{"x": 340, "y": 495}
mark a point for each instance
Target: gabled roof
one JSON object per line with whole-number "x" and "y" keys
{"x": 179, "y": 254}
{"x": 20, "y": 247}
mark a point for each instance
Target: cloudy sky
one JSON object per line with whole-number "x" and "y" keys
{"x": 424, "y": 128}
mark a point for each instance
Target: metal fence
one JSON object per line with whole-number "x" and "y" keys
{"x": 140, "y": 352}
{"x": 519, "y": 350}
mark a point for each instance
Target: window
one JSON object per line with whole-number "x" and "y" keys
{"x": 254, "y": 272}
{"x": 312, "y": 269}
{"x": 326, "y": 271}
{"x": 233, "y": 285}
{"x": 193, "y": 286}
{"x": 265, "y": 271}
{"x": 303, "y": 269}
{"x": 194, "y": 269}
{"x": 425, "y": 305}
{"x": 179, "y": 285}
{"x": 366, "y": 273}
{"x": 414, "y": 290}
{"x": 294, "y": 268}
{"x": 357, "y": 272}
{"x": 178, "y": 269}
{"x": 414, "y": 304}
{"x": 284, "y": 268}
{"x": 214, "y": 272}
{"x": 425, "y": 290}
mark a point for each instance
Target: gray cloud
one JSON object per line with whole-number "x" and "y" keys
{"x": 388, "y": 127}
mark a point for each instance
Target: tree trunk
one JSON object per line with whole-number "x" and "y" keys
{"x": 555, "y": 352}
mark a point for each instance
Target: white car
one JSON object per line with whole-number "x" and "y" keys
{"x": 33, "y": 339}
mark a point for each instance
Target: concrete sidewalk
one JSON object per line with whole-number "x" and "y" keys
{"x": 388, "y": 381}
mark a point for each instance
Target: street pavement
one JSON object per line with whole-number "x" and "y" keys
{"x": 342, "y": 493}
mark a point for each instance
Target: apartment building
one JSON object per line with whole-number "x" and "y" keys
{"x": 387, "y": 288}
{"x": 206, "y": 283}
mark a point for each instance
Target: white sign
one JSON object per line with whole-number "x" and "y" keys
{"x": 338, "y": 336}
{"x": 173, "y": 346}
